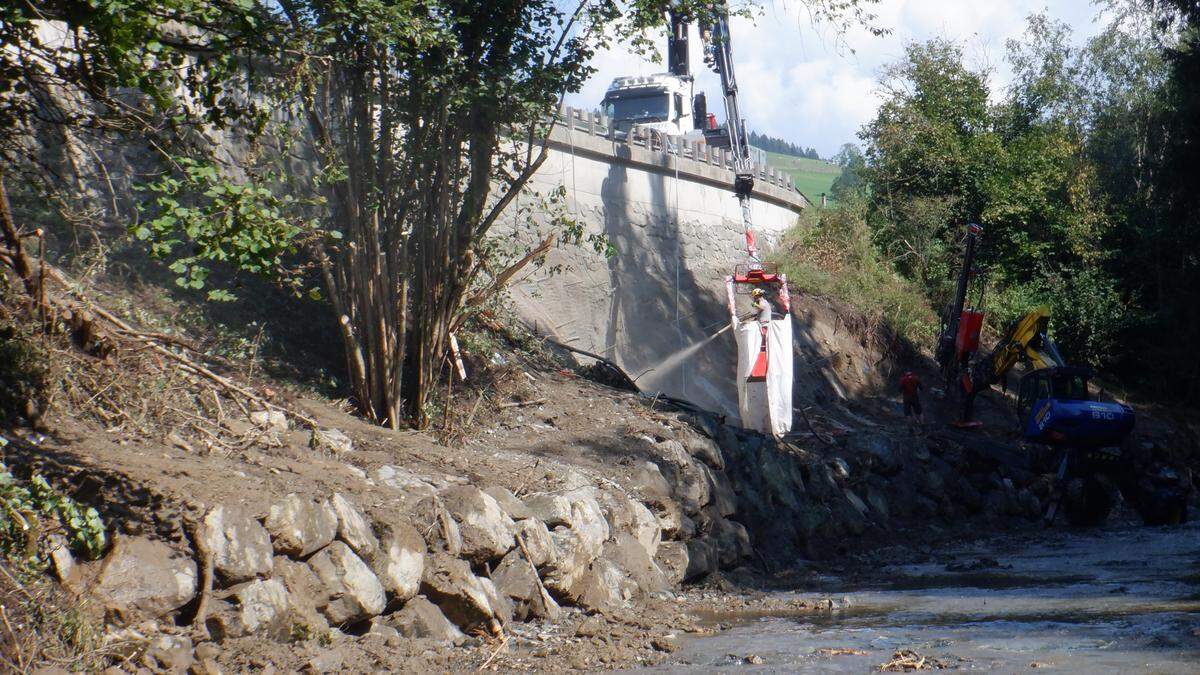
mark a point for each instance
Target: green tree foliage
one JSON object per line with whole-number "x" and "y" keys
{"x": 940, "y": 155}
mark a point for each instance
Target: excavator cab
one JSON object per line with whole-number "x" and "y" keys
{"x": 1055, "y": 407}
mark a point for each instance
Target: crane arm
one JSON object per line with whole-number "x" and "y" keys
{"x": 718, "y": 54}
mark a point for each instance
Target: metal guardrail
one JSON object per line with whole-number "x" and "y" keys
{"x": 596, "y": 124}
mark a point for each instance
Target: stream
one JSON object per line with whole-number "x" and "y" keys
{"x": 1113, "y": 600}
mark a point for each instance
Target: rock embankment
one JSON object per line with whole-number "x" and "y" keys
{"x": 441, "y": 558}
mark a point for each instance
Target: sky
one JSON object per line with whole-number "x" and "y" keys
{"x": 810, "y": 86}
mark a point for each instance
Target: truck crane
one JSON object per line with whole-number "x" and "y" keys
{"x": 665, "y": 104}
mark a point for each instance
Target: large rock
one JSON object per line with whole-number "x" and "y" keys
{"x": 702, "y": 559}
{"x": 538, "y": 543}
{"x": 706, "y": 450}
{"x": 672, "y": 559}
{"x": 306, "y": 593}
{"x": 259, "y": 606}
{"x": 486, "y": 531}
{"x": 552, "y": 509}
{"x": 723, "y": 497}
{"x": 239, "y": 545}
{"x": 515, "y": 508}
{"x": 467, "y": 600}
{"x": 354, "y": 528}
{"x": 142, "y": 577}
{"x": 299, "y": 526}
{"x": 517, "y": 580}
{"x": 688, "y": 477}
{"x": 647, "y": 480}
{"x": 400, "y": 562}
{"x": 628, "y": 554}
{"x": 732, "y": 542}
{"x": 577, "y": 544}
{"x": 439, "y": 529}
{"x": 405, "y": 481}
{"x": 626, "y": 515}
{"x": 354, "y": 593}
{"x": 421, "y": 619}
{"x": 605, "y": 587}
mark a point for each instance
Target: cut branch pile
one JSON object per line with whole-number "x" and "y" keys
{"x": 129, "y": 378}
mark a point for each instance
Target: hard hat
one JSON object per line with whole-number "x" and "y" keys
{"x": 758, "y": 293}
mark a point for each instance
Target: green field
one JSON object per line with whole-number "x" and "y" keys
{"x": 812, "y": 176}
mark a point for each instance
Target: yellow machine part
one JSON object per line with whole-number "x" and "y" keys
{"x": 1019, "y": 343}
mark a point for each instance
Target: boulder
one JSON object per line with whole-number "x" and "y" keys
{"x": 306, "y": 593}
{"x": 405, "y": 481}
{"x": 261, "y": 605}
{"x": 648, "y": 481}
{"x": 330, "y": 440}
{"x": 688, "y": 478}
{"x": 670, "y": 519}
{"x": 439, "y": 529}
{"x": 723, "y": 497}
{"x": 400, "y": 561}
{"x": 517, "y": 580}
{"x": 299, "y": 526}
{"x": 421, "y": 618}
{"x": 467, "y": 600}
{"x": 631, "y": 557}
{"x": 702, "y": 559}
{"x": 576, "y": 545}
{"x": 515, "y": 508}
{"x": 672, "y": 559}
{"x": 62, "y": 562}
{"x": 328, "y": 661}
{"x": 706, "y": 450}
{"x": 856, "y": 501}
{"x": 239, "y": 545}
{"x": 540, "y": 546}
{"x": 354, "y": 593}
{"x": 587, "y": 518}
{"x": 486, "y": 531}
{"x": 552, "y": 509}
{"x": 354, "y": 528}
{"x": 605, "y": 587}
{"x": 732, "y": 542}
{"x": 143, "y": 577}
{"x": 626, "y": 515}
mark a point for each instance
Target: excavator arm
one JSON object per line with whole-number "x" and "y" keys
{"x": 1024, "y": 341}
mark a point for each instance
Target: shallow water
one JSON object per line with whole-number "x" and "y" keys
{"x": 1118, "y": 600}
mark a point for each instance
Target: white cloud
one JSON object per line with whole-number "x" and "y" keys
{"x": 812, "y": 87}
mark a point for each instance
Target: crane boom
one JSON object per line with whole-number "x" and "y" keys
{"x": 718, "y": 54}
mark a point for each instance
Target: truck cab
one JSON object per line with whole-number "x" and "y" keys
{"x": 660, "y": 102}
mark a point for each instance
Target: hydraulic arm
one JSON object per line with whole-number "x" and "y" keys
{"x": 718, "y": 55}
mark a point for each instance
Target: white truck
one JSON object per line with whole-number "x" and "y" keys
{"x": 662, "y": 102}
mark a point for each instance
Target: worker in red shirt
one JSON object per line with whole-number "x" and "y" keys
{"x": 910, "y": 386}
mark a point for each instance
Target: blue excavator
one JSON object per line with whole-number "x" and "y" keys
{"x": 1086, "y": 438}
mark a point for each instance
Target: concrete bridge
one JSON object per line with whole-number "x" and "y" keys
{"x": 669, "y": 209}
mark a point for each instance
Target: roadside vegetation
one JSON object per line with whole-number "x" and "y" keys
{"x": 830, "y": 252}
{"x": 1083, "y": 173}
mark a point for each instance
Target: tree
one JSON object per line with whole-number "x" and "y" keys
{"x": 426, "y": 120}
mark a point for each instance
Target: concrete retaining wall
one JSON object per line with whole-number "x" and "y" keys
{"x": 670, "y": 211}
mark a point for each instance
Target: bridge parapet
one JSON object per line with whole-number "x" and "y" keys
{"x": 583, "y": 131}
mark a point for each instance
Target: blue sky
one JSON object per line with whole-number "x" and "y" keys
{"x": 807, "y": 85}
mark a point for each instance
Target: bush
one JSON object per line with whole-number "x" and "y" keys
{"x": 830, "y": 252}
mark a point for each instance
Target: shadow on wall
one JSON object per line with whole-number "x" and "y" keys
{"x": 659, "y": 306}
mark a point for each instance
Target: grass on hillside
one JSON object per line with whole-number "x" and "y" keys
{"x": 830, "y": 252}
{"x": 811, "y": 176}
